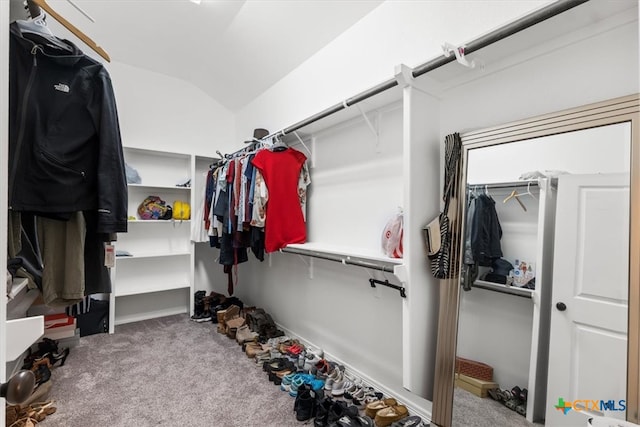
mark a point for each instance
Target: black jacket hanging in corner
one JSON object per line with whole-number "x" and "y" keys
{"x": 65, "y": 149}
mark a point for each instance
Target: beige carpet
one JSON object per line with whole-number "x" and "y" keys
{"x": 165, "y": 372}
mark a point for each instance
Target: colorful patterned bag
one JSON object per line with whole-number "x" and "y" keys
{"x": 153, "y": 207}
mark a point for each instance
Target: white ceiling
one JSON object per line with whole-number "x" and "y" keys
{"x": 231, "y": 49}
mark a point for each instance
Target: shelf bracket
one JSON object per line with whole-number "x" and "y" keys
{"x": 374, "y": 129}
{"x": 402, "y": 290}
{"x": 302, "y": 142}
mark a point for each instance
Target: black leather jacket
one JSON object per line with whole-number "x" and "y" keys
{"x": 65, "y": 151}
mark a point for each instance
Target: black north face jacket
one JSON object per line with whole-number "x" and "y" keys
{"x": 65, "y": 151}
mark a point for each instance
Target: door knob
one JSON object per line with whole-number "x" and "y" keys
{"x": 561, "y": 306}
{"x": 19, "y": 388}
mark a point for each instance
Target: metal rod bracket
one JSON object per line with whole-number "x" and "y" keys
{"x": 402, "y": 290}
{"x": 404, "y": 75}
{"x": 458, "y": 51}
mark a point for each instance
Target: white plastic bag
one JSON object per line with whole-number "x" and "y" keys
{"x": 392, "y": 237}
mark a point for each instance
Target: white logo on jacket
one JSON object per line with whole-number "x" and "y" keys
{"x": 61, "y": 87}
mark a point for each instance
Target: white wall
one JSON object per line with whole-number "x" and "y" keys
{"x": 598, "y": 150}
{"x": 164, "y": 113}
{"x": 409, "y": 32}
{"x": 567, "y": 75}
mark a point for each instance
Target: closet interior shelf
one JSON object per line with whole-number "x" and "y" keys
{"x": 497, "y": 287}
{"x": 357, "y": 259}
{"x": 128, "y": 291}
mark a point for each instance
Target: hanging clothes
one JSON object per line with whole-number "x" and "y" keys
{"x": 285, "y": 222}
{"x": 486, "y": 232}
{"x": 66, "y": 161}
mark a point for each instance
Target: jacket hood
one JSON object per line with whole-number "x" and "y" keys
{"x": 61, "y": 51}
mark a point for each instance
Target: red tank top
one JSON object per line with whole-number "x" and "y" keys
{"x": 284, "y": 223}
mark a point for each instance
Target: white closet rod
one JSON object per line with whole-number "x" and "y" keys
{"x": 510, "y": 29}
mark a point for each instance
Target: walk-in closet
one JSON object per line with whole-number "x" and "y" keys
{"x": 372, "y": 213}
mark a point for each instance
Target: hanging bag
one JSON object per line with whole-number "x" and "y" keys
{"x": 437, "y": 234}
{"x": 392, "y": 237}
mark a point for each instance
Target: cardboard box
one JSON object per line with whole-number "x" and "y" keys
{"x": 478, "y": 387}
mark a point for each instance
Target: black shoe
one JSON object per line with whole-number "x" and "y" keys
{"x": 305, "y": 404}
{"x": 322, "y": 412}
{"x": 337, "y": 410}
{"x": 204, "y": 316}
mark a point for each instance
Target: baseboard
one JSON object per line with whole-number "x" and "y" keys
{"x": 416, "y": 404}
{"x": 137, "y": 317}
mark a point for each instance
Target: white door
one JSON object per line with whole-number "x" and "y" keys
{"x": 588, "y": 340}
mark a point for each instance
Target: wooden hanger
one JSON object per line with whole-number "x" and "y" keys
{"x": 514, "y": 195}
{"x": 69, "y": 26}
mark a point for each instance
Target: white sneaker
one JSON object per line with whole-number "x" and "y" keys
{"x": 333, "y": 376}
{"x": 338, "y": 386}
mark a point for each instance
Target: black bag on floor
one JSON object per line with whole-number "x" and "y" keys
{"x": 96, "y": 320}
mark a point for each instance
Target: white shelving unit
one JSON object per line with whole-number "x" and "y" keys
{"x": 159, "y": 252}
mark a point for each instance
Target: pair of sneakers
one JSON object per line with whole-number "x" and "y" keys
{"x": 292, "y": 382}
{"x": 337, "y": 381}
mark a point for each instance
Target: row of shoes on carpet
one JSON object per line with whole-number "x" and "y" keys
{"x": 322, "y": 389}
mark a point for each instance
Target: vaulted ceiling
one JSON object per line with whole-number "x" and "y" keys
{"x": 231, "y": 49}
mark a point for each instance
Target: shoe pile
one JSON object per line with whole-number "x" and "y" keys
{"x": 43, "y": 360}
{"x": 514, "y": 399}
{"x": 322, "y": 389}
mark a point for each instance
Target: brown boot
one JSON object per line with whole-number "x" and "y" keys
{"x": 222, "y": 326}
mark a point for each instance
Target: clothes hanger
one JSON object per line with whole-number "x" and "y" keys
{"x": 529, "y": 193}
{"x": 514, "y": 195}
{"x": 37, "y": 24}
{"x": 42, "y": 4}
{"x": 278, "y": 145}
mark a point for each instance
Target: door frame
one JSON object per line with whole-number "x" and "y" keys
{"x": 617, "y": 110}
